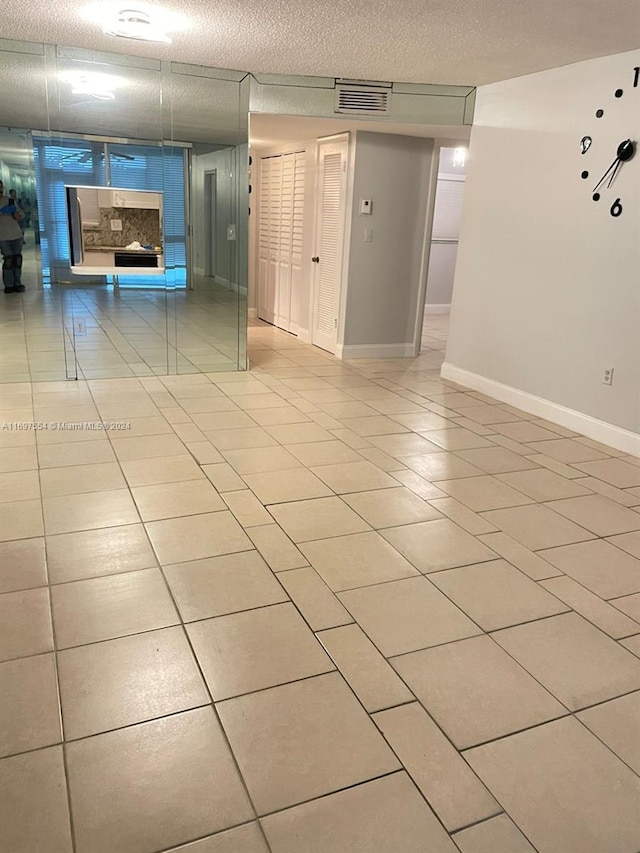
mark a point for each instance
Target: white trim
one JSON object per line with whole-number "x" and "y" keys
{"x": 304, "y": 335}
{"x": 279, "y": 149}
{"x": 352, "y": 147}
{"x": 405, "y": 350}
{"x": 437, "y": 308}
{"x": 610, "y": 434}
{"x": 345, "y": 142}
{"x": 252, "y": 313}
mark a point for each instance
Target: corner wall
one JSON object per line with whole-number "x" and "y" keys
{"x": 383, "y": 276}
{"x": 547, "y": 285}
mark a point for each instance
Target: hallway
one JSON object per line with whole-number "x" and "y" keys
{"x": 319, "y": 607}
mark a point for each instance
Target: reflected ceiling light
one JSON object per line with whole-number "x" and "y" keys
{"x": 135, "y": 24}
{"x": 459, "y": 156}
{"x": 99, "y": 86}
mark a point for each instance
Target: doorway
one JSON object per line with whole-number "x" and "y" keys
{"x": 281, "y": 231}
{"x": 211, "y": 202}
{"x": 445, "y": 233}
{"x": 329, "y": 241}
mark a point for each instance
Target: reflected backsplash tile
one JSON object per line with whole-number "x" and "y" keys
{"x": 137, "y": 224}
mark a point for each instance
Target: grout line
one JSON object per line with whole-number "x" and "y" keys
{"x": 215, "y": 712}
{"x": 61, "y": 720}
{"x": 286, "y": 402}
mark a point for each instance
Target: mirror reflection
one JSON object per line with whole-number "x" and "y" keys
{"x": 134, "y": 174}
{"x": 115, "y": 231}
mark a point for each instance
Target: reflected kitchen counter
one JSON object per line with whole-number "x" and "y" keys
{"x": 114, "y": 260}
{"x": 120, "y": 249}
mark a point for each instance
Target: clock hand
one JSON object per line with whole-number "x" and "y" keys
{"x": 615, "y": 172}
{"x": 614, "y": 167}
{"x": 624, "y": 152}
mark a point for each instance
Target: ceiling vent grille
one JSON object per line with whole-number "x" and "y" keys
{"x": 362, "y": 100}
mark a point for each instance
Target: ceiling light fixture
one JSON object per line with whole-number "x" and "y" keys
{"x": 135, "y": 24}
{"x": 459, "y": 157}
{"x": 99, "y": 86}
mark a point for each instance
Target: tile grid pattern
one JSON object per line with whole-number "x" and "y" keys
{"x": 125, "y": 332}
{"x": 320, "y": 606}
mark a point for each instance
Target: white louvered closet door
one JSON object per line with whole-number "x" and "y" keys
{"x": 297, "y": 236}
{"x": 265, "y": 300}
{"x": 274, "y": 236}
{"x": 280, "y": 239}
{"x": 329, "y": 243}
{"x": 283, "y": 285}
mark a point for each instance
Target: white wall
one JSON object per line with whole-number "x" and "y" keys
{"x": 547, "y": 292}
{"x": 446, "y": 229}
{"x": 383, "y": 276}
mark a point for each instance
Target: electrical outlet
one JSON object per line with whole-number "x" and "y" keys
{"x": 116, "y": 224}
{"x": 607, "y": 376}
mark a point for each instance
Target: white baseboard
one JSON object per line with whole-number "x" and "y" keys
{"x": 610, "y": 434}
{"x": 405, "y": 350}
{"x": 252, "y": 313}
{"x": 304, "y": 335}
{"x": 437, "y": 309}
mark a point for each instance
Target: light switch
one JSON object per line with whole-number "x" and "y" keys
{"x": 368, "y": 235}
{"x": 365, "y": 206}
{"x": 116, "y": 224}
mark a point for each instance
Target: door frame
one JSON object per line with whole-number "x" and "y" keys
{"x": 341, "y": 290}
{"x": 210, "y": 219}
{"x": 438, "y": 145}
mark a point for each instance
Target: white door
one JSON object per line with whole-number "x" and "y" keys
{"x": 331, "y": 200}
{"x": 280, "y": 239}
{"x": 297, "y": 241}
{"x": 275, "y": 192}
{"x": 265, "y": 298}
{"x": 283, "y": 283}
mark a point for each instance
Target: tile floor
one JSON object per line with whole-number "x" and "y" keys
{"x": 321, "y": 607}
{"x": 125, "y": 333}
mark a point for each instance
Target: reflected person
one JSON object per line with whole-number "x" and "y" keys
{"x": 11, "y": 241}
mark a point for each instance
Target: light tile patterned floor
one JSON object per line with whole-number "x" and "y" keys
{"x": 322, "y": 607}
{"x": 125, "y": 332}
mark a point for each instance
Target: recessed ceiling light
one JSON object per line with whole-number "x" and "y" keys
{"x": 135, "y": 24}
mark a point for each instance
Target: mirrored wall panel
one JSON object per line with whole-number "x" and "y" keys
{"x": 131, "y": 183}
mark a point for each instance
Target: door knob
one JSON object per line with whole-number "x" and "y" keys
{"x": 316, "y": 260}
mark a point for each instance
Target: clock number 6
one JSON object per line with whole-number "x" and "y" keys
{"x": 616, "y": 208}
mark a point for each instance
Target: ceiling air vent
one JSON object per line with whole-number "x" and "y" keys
{"x": 362, "y": 100}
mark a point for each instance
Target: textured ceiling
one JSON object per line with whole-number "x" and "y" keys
{"x": 468, "y": 42}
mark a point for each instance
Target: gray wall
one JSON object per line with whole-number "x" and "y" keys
{"x": 547, "y": 292}
{"x": 220, "y": 162}
{"x": 383, "y": 276}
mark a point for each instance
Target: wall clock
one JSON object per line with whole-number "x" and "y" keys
{"x": 625, "y": 150}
